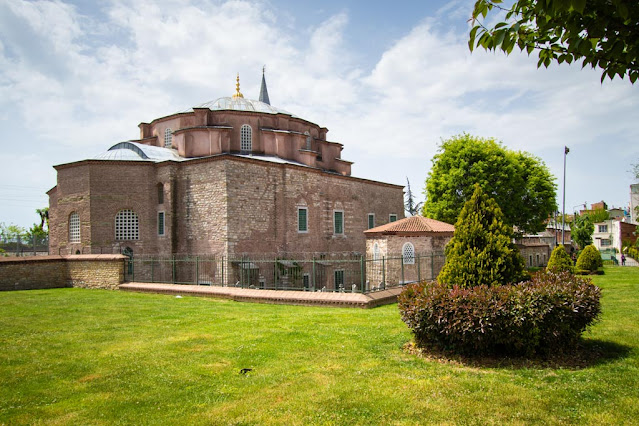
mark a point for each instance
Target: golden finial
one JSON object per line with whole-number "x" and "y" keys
{"x": 238, "y": 94}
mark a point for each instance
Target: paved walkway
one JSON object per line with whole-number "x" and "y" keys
{"x": 307, "y": 298}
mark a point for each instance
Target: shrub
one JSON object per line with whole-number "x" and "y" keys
{"x": 560, "y": 261}
{"x": 481, "y": 250}
{"x": 546, "y": 314}
{"x": 589, "y": 259}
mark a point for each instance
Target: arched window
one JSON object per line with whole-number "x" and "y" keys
{"x": 308, "y": 140}
{"x": 168, "y": 138}
{"x": 127, "y": 225}
{"x": 375, "y": 252}
{"x": 408, "y": 254}
{"x": 74, "y": 227}
{"x": 246, "y": 138}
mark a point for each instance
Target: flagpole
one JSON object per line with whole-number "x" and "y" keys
{"x": 563, "y": 208}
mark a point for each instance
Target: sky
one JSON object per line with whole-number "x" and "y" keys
{"x": 389, "y": 81}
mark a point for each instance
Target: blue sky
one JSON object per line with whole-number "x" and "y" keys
{"x": 389, "y": 80}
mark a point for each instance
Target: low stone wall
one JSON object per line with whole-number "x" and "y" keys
{"x": 85, "y": 271}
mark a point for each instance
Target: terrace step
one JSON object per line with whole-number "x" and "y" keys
{"x": 306, "y": 298}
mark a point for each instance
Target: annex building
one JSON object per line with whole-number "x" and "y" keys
{"x": 231, "y": 177}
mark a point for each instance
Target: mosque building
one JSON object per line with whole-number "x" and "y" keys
{"x": 231, "y": 177}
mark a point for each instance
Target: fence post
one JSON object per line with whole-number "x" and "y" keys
{"x": 34, "y": 247}
{"x": 222, "y": 267}
{"x": 403, "y": 280}
{"x": 313, "y": 285}
{"x": 419, "y": 269}
{"x": 173, "y": 267}
{"x": 361, "y": 264}
{"x": 197, "y": 271}
{"x": 152, "y": 279}
{"x": 384, "y": 271}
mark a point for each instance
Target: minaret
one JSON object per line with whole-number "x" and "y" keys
{"x": 263, "y": 92}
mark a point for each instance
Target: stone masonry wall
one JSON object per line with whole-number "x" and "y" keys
{"x": 263, "y": 202}
{"x": 223, "y": 205}
{"x": 85, "y": 271}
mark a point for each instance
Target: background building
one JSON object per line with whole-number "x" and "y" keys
{"x": 634, "y": 203}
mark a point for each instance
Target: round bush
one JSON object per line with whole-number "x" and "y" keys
{"x": 589, "y": 259}
{"x": 548, "y": 313}
{"x": 560, "y": 261}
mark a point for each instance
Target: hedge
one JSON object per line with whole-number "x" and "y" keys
{"x": 547, "y": 314}
{"x": 589, "y": 259}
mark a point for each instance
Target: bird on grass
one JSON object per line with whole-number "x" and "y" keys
{"x": 245, "y": 370}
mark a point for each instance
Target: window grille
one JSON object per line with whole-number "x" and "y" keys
{"x": 302, "y": 219}
{"x": 246, "y": 138}
{"x": 603, "y": 228}
{"x": 392, "y": 218}
{"x": 127, "y": 225}
{"x": 160, "y": 223}
{"x": 338, "y": 222}
{"x": 408, "y": 254}
{"x": 74, "y": 227}
{"x": 168, "y": 138}
{"x": 371, "y": 220}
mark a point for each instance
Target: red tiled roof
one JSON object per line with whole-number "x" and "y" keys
{"x": 414, "y": 224}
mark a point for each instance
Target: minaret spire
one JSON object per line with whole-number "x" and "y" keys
{"x": 238, "y": 94}
{"x": 263, "y": 91}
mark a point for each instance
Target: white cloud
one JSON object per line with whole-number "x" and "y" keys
{"x": 84, "y": 82}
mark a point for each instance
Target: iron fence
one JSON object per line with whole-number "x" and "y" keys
{"x": 24, "y": 246}
{"x": 332, "y": 273}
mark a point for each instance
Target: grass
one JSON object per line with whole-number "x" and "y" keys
{"x": 72, "y": 356}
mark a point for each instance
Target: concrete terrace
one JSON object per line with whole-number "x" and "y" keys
{"x": 284, "y": 297}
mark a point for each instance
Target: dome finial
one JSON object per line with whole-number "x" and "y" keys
{"x": 237, "y": 94}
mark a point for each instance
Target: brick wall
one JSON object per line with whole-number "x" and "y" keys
{"x": 85, "y": 271}
{"x": 218, "y": 205}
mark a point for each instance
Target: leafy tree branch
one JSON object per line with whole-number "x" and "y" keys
{"x": 603, "y": 34}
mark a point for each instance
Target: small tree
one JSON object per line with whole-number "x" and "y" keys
{"x": 481, "y": 251}
{"x": 589, "y": 259}
{"x": 582, "y": 229}
{"x": 411, "y": 207}
{"x": 560, "y": 261}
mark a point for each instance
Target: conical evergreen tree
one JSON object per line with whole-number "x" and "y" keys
{"x": 481, "y": 250}
{"x": 560, "y": 261}
{"x": 589, "y": 259}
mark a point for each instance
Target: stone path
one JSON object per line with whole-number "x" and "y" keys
{"x": 307, "y": 298}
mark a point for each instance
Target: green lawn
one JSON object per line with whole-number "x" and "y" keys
{"x": 72, "y": 356}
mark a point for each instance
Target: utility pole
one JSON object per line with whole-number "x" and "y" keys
{"x": 563, "y": 207}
